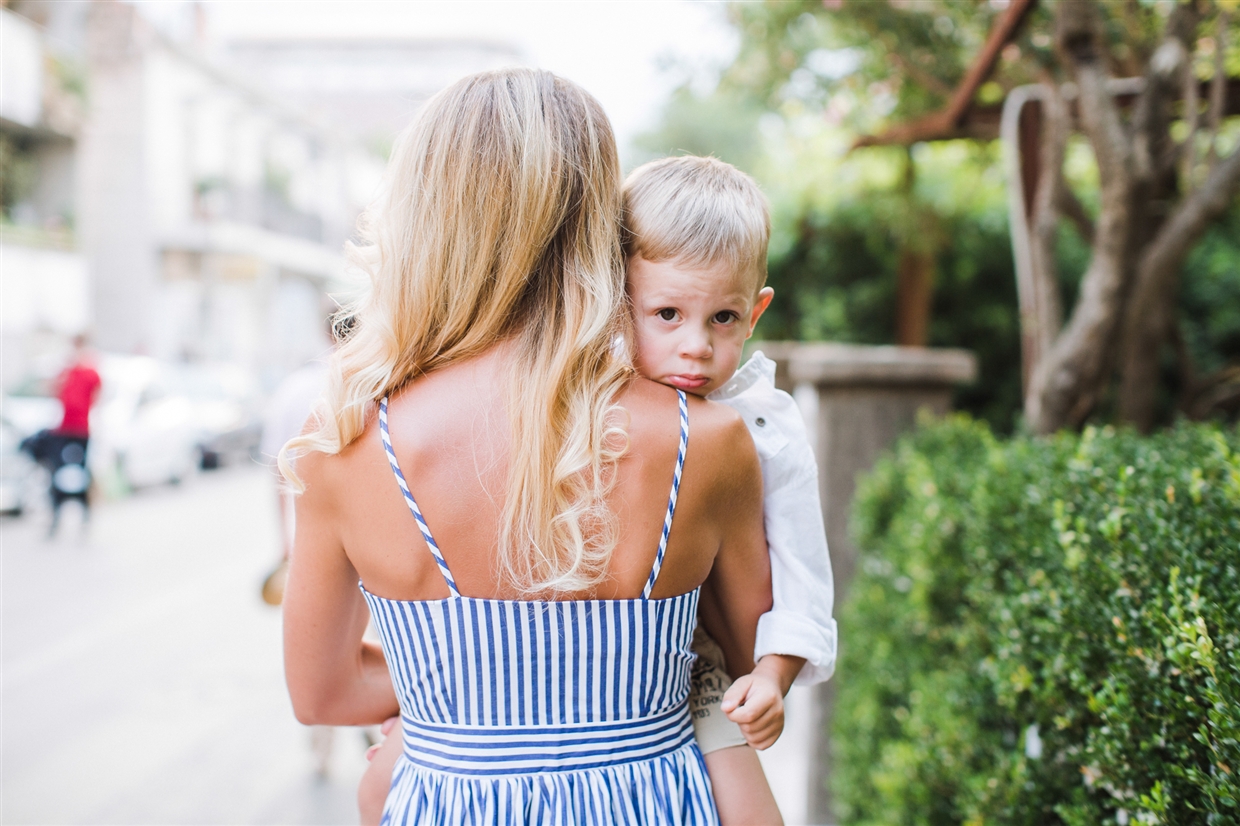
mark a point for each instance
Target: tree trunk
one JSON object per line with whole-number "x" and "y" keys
{"x": 915, "y": 271}
{"x": 1068, "y": 381}
{"x": 914, "y": 290}
{"x": 1151, "y": 316}
{"x": 1150, "y": 312}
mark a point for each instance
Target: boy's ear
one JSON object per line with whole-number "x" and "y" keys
{"x": 759, "y": 307}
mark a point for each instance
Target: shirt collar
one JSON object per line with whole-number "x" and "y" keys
{"x": 758, "y": 367}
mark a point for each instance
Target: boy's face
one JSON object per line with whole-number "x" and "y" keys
{"x": 691, "y": 322}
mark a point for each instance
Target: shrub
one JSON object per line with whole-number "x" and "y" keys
{"x": 1044, "y": 631}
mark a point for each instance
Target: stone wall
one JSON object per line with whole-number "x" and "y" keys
{"x": 856, "y": 400}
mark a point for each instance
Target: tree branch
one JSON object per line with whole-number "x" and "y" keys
{"x": 1150, "y": 315}
{"x": 1078, "y": 38}
{"x": 1217, "y": 391}
{"x": 1218, "y": 86}
{"x": 1074, "y": 210}
{"x": 1188, "y": 149}
{"x": 1151, "y": 138}
{"x": 1189, "y": 382}
{"x": 1048, "y": 197}
{"x": 1189, "y": 220}
{"x": 921, "y": 76}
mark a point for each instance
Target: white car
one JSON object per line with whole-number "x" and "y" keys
{"x": 142, "y": 429}
{"x": 227, "y": 407}
{"x": 155, "y": 422}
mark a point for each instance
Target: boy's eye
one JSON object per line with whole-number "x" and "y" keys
{"x": 725, "y": 317}
{"x": 667, "y": 314}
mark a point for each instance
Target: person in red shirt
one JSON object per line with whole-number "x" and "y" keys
{"x": 77, "y": 386}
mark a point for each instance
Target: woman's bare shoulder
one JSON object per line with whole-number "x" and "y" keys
{"x": 643, "y": 396}
{"x": 719, "y": 442}
{"x": 326, "y": 476}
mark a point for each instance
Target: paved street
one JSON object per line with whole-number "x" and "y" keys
{"x": 142, "y": 679}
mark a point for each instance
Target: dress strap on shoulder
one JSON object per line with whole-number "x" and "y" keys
{"x": 413, "y": 506}
{"x": 671, "y": 499}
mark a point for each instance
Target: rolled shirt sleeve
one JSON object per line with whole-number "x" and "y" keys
{"x": 799, "y": 623}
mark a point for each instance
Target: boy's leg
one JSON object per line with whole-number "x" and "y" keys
{"x": 742, "y": 794}
{"x": 57, "y": 500}
{"x": 372, "y": 792}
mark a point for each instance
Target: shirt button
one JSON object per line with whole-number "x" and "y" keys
{"x": 760, "y": 422}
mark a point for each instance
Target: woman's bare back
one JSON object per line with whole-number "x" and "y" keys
{"x": 450, "y": 433}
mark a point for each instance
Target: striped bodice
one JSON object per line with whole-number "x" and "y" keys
{"x": 608, "y": 677}
{"x": 494, "y": 693}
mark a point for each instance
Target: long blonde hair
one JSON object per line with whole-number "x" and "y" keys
{"x": 499, "y": 220}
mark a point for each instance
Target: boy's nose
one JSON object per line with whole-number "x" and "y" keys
{"x": 696, "y": 347}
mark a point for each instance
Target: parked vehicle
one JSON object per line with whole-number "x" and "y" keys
{"x": 142, "y": 429}
{"x": 155, "y": 422}
{"x": 23, "y": 484}
{"x": 30, "y": 408}
{"x": 227, "y": 411}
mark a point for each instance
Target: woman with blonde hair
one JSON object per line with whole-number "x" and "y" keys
{"x": 529, "y": 523}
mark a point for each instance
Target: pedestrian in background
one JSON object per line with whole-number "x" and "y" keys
{"x": 283, "y": 419}
{"x": 63, "y": 450}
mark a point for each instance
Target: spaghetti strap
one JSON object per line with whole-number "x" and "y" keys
{"x": 413, "y": 506}
{"x": 671, "y": 499}
{"x": 386, "y": 436}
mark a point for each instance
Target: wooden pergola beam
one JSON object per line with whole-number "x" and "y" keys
{"x": 950, "y": 122}
{"x": 963, "y": 120}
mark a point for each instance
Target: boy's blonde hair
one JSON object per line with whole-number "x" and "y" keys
{"x": 698, "y": 211}
{"x": 499, "y": 220}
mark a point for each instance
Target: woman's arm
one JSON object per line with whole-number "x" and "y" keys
{"x": 334, "y": 678}
{"x": 738, "y": 590}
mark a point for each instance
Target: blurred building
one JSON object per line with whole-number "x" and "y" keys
{"x": 44, "y": 288}
{"x": 370, "y": 88}
{"x": 190, "y": 200}
{"x": 212, "y": 215}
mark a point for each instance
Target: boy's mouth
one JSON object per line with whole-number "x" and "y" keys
{"x": 687, "y": 382}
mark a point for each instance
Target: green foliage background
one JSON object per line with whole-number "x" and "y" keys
{"x": 1088, "y": 586}
{"x": 1042, "y": 631}
{"x": 809, "y": 77}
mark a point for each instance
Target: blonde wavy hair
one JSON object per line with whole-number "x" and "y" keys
{"x": 499, "y": 220}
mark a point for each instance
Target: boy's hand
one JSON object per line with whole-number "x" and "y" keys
{"x": 372, "y": 792}
{"x": 386, "y": 731}
{"x": 755, "y": 702}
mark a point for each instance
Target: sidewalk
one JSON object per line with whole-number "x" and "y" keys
{"x": 142, "y": 677}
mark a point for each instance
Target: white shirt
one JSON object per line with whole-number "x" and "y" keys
{"x": 799, "y": 623}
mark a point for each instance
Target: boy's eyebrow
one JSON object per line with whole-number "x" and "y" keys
{"x": 661, "y": 290}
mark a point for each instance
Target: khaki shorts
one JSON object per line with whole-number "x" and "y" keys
{"x": 714, "y": 731}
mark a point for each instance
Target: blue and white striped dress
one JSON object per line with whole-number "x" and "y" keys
{"x": 520, "y": 712}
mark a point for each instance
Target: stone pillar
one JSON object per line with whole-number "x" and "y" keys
{"x": 857, "y": 400}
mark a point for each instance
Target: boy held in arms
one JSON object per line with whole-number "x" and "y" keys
{"x": 695, "y": 252}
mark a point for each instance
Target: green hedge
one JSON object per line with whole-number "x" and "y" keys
{"x": 1044, "y": 631}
